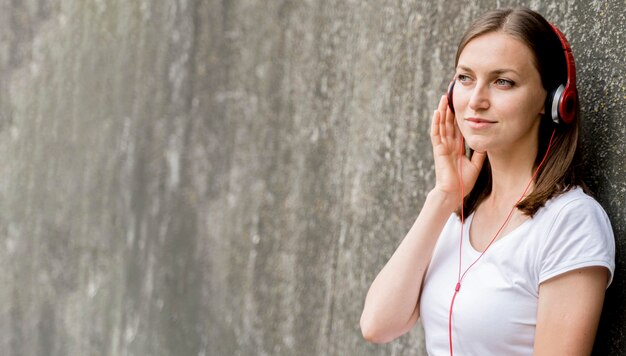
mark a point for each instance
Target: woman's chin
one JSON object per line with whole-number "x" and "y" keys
{"x": 477, "y": 146}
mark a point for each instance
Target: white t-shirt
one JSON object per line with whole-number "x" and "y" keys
{"x": 495, "y": 311}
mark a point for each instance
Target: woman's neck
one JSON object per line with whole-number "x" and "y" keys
{"x": 510, "y": 174}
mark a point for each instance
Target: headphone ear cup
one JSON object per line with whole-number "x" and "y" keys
{"x": 552, "y": 107}
{"x": 450, "y": 91}
{"x": 567, "y": 105}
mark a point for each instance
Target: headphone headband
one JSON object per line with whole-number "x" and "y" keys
{"x": 569, "y": 57}
{"x": 563, "y": 100}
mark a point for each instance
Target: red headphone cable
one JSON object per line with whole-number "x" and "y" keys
{"x": 461, "y": 276}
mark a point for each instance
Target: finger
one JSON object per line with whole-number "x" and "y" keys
{"x": 442, "y": 110}
{"x": 440, "y": 105}
{"x": 443, "y": 103}
{"x": 450, "y": 123}
{"x": 458, "y": 137}
{"x": 442, "y": 126}
{"x": 434, "y": 129}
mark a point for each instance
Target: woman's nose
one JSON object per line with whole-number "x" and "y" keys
{"x": 479, "y": 100}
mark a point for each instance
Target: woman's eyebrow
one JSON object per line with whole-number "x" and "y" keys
{"x": 505, "y": 70}
{"x": 498, "y": 71}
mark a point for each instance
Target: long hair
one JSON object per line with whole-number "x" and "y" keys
{"x": 561, "y": 170}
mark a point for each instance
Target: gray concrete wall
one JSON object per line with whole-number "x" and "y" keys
{"x": 210, "y": 177}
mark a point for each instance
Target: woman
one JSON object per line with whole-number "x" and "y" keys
{"x": 525, "y": 273}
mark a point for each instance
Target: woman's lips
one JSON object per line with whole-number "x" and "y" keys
{"x": 478, "y": 123}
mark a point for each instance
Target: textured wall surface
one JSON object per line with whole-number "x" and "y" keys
{"x": 204, "y": 177}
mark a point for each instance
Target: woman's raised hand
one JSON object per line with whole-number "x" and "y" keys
{"x": 447, "y": 144}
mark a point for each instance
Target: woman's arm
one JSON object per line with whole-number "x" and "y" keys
{"x": 569, "y": 311}
{"x": 391, "y": 306}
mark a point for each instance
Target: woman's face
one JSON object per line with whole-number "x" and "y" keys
{"x": 498, "y": 96}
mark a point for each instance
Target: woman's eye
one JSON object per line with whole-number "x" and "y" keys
{"x": 504, "y": 83}
{"x": 463, "y": 78}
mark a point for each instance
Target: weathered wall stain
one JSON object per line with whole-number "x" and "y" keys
{"x": 204, "y": 177}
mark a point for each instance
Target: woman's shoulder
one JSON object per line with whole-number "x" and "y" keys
{"x": 573, "y": 208}
{"x": 575, "y": 232}
{"x": 576, "y": 212}
{"x": 573, "y": 199}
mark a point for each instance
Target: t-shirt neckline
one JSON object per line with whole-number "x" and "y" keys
{"x": 497, "y": 242}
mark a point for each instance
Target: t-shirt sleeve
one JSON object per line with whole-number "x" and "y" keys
{"x": 581, "y": 236}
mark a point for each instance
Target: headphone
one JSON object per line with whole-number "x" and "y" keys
{"x": 561, "y": 102}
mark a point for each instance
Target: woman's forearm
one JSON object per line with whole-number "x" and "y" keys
{"x": 391, "y": 306}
